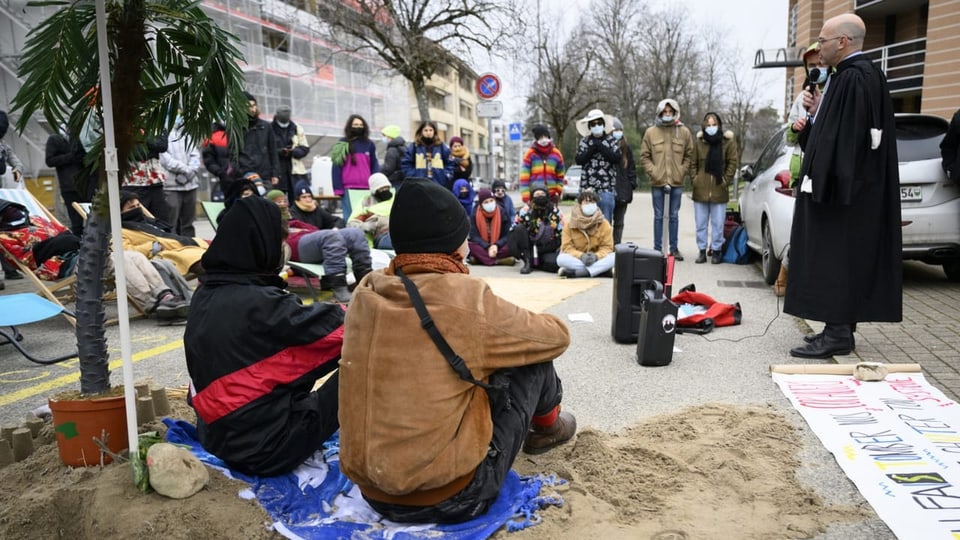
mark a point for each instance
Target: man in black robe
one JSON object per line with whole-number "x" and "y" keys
{"x": 845, "y": 244}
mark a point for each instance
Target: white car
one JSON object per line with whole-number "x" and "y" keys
{"x": 571, "y": 182}
{"x": 929, "y": 203}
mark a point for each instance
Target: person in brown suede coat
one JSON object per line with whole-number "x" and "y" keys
{"x": 423, "y": 442}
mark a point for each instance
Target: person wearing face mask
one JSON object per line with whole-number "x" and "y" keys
{"x": 243, "y": 332}
{"x": 715, "y": 164}
{"x": 666, "y": 155}
{"x": 489, "y": 226}
{"x": 154, "y": 239}
{"x": 463, "y": 189}
{"x": 257, "y": 160}
{"x": 292, "y": 147}
{"x": 535, "y": 237}
{"x": 543, "y": 163}
{"x": 396, "y": 147}
{"x": 452, "y": 425}
{"x": 373, "y": 217}
{"x": 626, "y": 181}
{"x": 504, "y": 201}
{"x": 587, "y": 246}
{"x": 354, "y": 160}
{"x": 182, "y": 163}
{"x": 600, "y": 155}
{"x": 428, "y": 157}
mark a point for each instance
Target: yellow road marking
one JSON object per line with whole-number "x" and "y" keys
{"x": 72, "y": 378}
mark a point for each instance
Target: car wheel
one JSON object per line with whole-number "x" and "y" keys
{"x": 952, "y": 269}
{"x": 769, "y": 263}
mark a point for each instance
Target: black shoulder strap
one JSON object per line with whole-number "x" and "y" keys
{"x": 426, "y": 322}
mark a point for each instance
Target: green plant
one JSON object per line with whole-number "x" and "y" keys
{"x": 166, "y": 57}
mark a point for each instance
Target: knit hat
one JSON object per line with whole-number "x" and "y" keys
{"x": 812, "y": 49}
{"x": 126, "y": 196}
{"x": 273, "y": 194}
{"x": 499, "y": 184}
{"x": 377, "y": 182}
{"x": 455, "y": 140}
{"x": 539, "y": 131}
{"x": 427, "y": 218}
{"x": 484, "y": 194}
{"x": 538, "y": 186}
{"x": 617, "y": 124}
{"x": 391, "y": 131}
{"x": 301, "y": 188}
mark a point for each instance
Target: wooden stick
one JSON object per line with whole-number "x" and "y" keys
{"x": 837, "y": 369}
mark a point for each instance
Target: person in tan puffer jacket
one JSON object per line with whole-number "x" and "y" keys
{"x": 714, "y": 166}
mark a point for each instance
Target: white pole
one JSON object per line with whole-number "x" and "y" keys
{"x": 113, "y": 192}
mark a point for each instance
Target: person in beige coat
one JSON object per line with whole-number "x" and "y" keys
{"x": 429, "y": 436}
{"x": 714, "y": 166}
{"x": 586, "y": 249}
{"x": 666, "y": 154}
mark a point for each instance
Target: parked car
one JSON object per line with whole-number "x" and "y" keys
{"x": 571, "y": 182}
{"x": 929, "y": 203}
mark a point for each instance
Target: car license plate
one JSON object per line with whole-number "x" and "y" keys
{"x": 911, "y": 193}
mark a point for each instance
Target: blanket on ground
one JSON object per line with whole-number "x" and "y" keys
{"x": 317, "y": 501}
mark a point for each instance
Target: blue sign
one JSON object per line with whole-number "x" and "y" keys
{"x": 488, "y": 86}
{"x": 516, "y": 132}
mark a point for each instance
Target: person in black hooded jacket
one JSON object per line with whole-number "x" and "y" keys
{"x": 254, "y": 351}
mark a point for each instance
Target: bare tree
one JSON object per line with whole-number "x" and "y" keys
{"x": 410, "y": 36}
{"x": 746, "y": 90}
{"x": 668, "y": 58}
{"x": 563, "y": 91}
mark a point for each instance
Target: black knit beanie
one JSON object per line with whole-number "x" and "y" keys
{"x": 540, "y": 130}
{"x": 427, "y": 218}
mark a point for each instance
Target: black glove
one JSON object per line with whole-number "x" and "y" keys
{"x": 588, "y": 258}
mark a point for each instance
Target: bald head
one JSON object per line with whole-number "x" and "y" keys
{"x": 840, "y": 37}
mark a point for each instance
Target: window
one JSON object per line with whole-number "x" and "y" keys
{"x": 466, "y": 110}
{"x": 466, "y": 82}
{"x": 437, "y": 101}
{"x": 467, "y": 136}
{"x": 792, "y": 26}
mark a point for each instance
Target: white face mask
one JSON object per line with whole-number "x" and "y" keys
{"x": 544, "y": 141}
{"x": 667, "y": 118}
{"x": 283, "y": 124}
{"x": 617, "y": 135}
{"x": 489, "y": 206}
{"x": 711, "y": 130}
{"x": 386, "y": 140}
{"x": 588, "y": 209}
{"x": 596, "y": 131}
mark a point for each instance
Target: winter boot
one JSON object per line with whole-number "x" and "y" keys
{"x": 358, "y": 273}
{"x": 527, "y": 268}
{"x": 337, "y": 283}
{"x": 702, "y": 258}
{"x": 549, "y": 431}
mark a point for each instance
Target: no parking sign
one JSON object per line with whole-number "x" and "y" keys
{"x": 488, "y": 86}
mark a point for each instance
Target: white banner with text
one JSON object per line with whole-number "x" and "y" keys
{"x": 898, "y": 440}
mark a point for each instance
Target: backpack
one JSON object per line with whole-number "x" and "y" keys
{"x": 736, "y": 250}
{"x": 13, "y": 216}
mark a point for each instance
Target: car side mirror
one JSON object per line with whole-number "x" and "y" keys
{"x": 746, "y": 173}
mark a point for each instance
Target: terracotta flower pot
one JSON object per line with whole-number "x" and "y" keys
{"x": 77, "y": 422}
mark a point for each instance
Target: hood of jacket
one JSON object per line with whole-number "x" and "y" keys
{"x": 250, "y": 242}
{"x": 397, "y": 141}
{"x": 663, "y": 105}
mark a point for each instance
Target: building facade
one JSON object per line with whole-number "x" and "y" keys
{"x": 915, "y": 42}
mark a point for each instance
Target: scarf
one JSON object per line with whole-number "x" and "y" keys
{"x": 464, "y": 155}
{"x": 714, "y": 165}
{"x": 422, "y": 263}
{"x": 582, "y": 222}
{"x": 306, "y": 206}
{"x": 488, "y": 224}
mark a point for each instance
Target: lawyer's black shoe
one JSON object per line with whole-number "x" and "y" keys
{"x": 822, "y": 347}
{"x": 810, "y": 338}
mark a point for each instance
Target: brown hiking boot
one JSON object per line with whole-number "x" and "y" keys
{"x": 543, "y": 439}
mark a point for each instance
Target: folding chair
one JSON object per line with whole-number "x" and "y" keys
{"x": 26, "y": 308}
{"x": 59, "y": 291}
{"x": 212, "y": 209}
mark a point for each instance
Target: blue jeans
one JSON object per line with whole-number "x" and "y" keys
{"x": 573, "y": 263}
{"x": 608, "y": 200}
{"x": 712, "y": 214}
{"x": 676, "y": 193}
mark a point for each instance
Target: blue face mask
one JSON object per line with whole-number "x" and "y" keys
{"x": 588, "y": 209}
{"x": 817, "y": 75}
{"x": 596, "y": 131}
{"x": 617, "y": 135}
{"x": 710, "y": 130}
{"x": 667, "y": 118}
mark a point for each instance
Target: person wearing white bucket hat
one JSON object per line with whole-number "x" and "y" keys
{"x": 599, "y": 154}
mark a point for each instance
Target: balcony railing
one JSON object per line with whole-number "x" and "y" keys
{"x": 902, "y": 63}
{"x": 778, "y": 58}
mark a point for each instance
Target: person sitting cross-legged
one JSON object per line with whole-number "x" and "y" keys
{"x": 488, "y": 232}
{"x": 254, "y": 351}
{"x": 426, "y": 435}
{"x": 587, "y": 246}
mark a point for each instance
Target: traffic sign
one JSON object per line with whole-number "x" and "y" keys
{"x": 489, "y": 109}
{"x": 516, "y": 132}
{"x": 488, "y": 86}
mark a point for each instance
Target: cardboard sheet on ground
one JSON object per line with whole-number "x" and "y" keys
{"x": 539, "y": 294}
{"x": 898, "y": 440}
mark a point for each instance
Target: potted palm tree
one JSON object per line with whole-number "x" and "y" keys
{"x": 165, "y": 57}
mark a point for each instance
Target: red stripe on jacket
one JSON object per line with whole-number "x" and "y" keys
{"x": 237, "y": 389}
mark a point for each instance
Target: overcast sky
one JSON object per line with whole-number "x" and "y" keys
{"x": 748, "y": 25}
